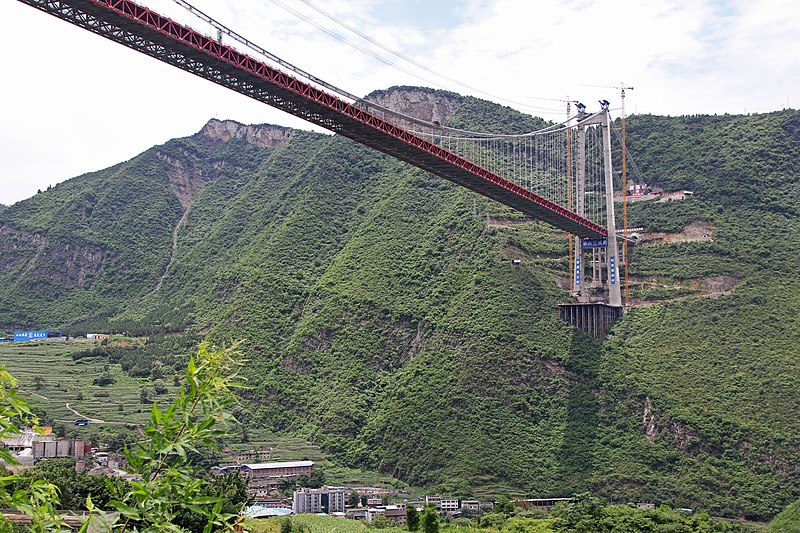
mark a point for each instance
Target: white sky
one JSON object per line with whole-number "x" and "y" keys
{"x": 74, "y": 102}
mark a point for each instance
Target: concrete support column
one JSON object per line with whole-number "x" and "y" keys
{"x": 612, "y": 256}
{"x": 580, "y": 208}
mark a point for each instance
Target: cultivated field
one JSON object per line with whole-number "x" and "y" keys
{"x": 62, "y": 381}
{"x": 50, "y": 379}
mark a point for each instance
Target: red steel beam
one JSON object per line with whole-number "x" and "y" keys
{"x": 144, "y": 30}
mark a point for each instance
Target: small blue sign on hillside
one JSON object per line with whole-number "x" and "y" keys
{"x": 595, "y": 243}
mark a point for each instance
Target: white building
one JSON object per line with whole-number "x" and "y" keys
{"x": 449, "y": 505}
{"x": 325, "y": 500}
{"x": 444, "y": 504}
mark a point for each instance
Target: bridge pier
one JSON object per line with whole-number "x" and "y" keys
{"x": 594, "y": 319}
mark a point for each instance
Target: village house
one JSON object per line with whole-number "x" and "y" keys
{"x": 263, "y": 478}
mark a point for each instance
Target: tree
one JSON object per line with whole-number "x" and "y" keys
{"x": 104, "y": 379}
{"x": 412, "y": 518}
{"x": 157, "y": 370}
{"x": 430, "y": 519}
{"x": 504, "y": 505}
{"x": 381, "y": 522}
{"x": 787, "y": 520}
{"x": 144, "y": 395}
{"x": 353, "y": 500}
{"x": 492, "y": 520}
{"x": 159, "y": 387}
{"x": 172, "y": 488}
{"x": 73, "y": 487}
{"x": 583, "y": 514}
{"x": 36, "y": 498}
{"x": 38, "y": 382}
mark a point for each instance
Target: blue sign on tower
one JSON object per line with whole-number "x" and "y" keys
{"x": 577, "y": 271}
{"x": 595, "y": 243}
{"x": 613, "y": 273}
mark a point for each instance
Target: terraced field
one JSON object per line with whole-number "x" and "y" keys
{"x": 64, "y": 381}
{"x": 50, "y": 379}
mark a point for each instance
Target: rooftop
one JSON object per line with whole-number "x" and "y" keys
{"x": 259, "y": 511}
{"x": 287, "y": 464}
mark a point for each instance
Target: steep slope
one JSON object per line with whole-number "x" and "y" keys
{"x": 384, "y": 319}
{"x": 700, "y": 395}
{"x": 787, "y": 520}
{"x": 89, "y": 246}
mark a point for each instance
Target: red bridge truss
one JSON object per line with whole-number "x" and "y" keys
{"x": 142, "y": 29}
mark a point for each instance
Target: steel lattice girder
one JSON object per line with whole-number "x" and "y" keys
{"x": 141, "y": 29}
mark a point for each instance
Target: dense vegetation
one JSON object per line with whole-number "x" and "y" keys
{"x": 787, "y": 520}
{"x": 385, "y": 322}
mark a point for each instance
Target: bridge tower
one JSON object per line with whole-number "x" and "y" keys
{"x": 596, "y": 285}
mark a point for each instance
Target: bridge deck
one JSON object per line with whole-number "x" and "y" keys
{"x": 141, "y": 29}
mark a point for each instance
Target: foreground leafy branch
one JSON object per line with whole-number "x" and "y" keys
{"x": 167, "y": 487}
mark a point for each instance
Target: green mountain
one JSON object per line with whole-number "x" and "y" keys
{"x": 384, "y": 320}
{"x": 787, "y": 520}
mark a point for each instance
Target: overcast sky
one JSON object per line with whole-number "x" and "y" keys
{"x": 74, "y": 102}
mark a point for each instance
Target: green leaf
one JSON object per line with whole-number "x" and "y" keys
{"x": 206, "y": 500}
{"x": 155, "y": 414}
{"x": 126, "y": 510}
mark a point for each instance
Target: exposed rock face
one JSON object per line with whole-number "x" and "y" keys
{"x": 184, "y": 175}
{"x": 424, "y": 104}
{"x": 649, "y": 420}
{"x": 18, "y": 246}
{"x": 45, "y": 265}
{"x": 68, "y": 264}
{"x": 264, "y": 135}
{"x": 186, "y": 170}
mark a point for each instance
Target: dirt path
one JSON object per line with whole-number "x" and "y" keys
{"x": 83, "y": 416}
{"x": 36, "y": 394}
{"x": 698, "y": 231}
{"x": 174, "y": 250}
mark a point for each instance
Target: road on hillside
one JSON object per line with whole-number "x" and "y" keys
{"x": 90, "y": 419}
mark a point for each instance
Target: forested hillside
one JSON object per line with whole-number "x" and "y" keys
{"x": 384, "y": 320}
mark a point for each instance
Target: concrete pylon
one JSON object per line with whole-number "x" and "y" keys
{"x": 612, "y": 256}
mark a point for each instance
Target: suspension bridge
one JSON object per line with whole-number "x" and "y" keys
{"x": 561, "y": 174}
